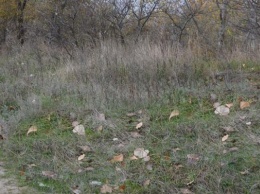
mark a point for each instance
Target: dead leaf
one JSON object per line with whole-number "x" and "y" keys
{"x": 130, "y": 114}
{"x": 133, "y": 157}
{"x": 135, "y": 134}
{"x": 79, "y": 129}
{"x": 149, "y": 167}
{"x": 224, "y": 138}
{"x": 106, "y": 189}
{"x": 101, "y": 117}
{"x": 177, "y": 167}
{"x": 216, "y": 104}
{"x": 176, "y": 149}
{"x": 193, "y": 158}
{"x": 229, "y": 105}
{"x": 95, "y": 183}
{"x": 146, "y": 183}
{"x": 146, "y": 159}
{"x": 118, "y": 158}
{"x": 122, "y": 187}
{"x": 89, "y": 169}
{"x": 99, "y": 128}
{"x": 75, "y": 123}
{"x": 244, "y": 104}
{"x": 139, "y": 125}
{"x": 31, "y": 165}
{"x": 141, "y": 152}
{"x": 75, "y": 190}
{"x": 233, "y": 149}
{"x": 32, "y": 129}
{"x": 85, "y": 148}
{"x": 81, "y": 157}
{"x": 140, "y": 112}
{"x": 213, "y": 97}
{"x": 49, "y": 174}
{"x": 189, "y": 183}
{"x": 244, "y": 172}
{"x": 174, "y": 114}
{"x": 248, "y": 123}
{"x": 222, "y": 110}
{"x": 228, "y": 129}
{"x": 186, "y": 191}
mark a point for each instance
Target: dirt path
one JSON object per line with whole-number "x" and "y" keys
{"x": 9, "y": 185}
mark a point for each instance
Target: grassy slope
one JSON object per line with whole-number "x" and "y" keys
{"x": 215, "y": 167}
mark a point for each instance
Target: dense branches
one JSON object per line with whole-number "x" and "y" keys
{"x": 77, "y": 23}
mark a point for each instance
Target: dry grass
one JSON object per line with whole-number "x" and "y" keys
{"x": 42, "y": 86}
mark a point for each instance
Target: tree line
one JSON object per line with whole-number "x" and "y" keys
{"x": 217, "y": 25}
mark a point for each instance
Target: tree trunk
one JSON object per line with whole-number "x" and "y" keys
{"x": 223, "y": 23}
{"x": 21, "y": 4}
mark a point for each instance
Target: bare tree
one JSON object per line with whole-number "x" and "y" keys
{"x": 21, "y": 4}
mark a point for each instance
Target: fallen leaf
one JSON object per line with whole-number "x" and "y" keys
{"x": 31, "y": 165}
{"x": 189, "y": 183}
{"x": 49, "y": 174}
{"x": 233, "y": 149}
{"x": 224, "y": 138}
{"x": 85, "y": 148}
{"x": 248, "y": 123}
{"x": 99, "y": 128}
{"x": 149, "y": 167}
{"x": 122, "y": 187}
{"x": 32, "y": 129}
{"x": 186, "y": 191}
{"x": 81, "y": 157}
{"x": 79, "y": 129}
{"x": 174, "y": 114}
{"x": 228, "y": 129}
{"x": 244, "y": 172}
{"x": 76, "y": 191}
{"x": 146, "y": 183}
{"x": 244, "y": 104}
{"x": 216, "y": 104}
{"x": 95, "y": 183}
{"x": 177, "y": 167}
{"x": 229, "y": 105}
{"x": 101, "y": 117}
{"x": 89, "y": 169}
{"x": 176, "y": 149}
{"x": 141, "y": 153}
{"x": 135, "y": 134}
{"x": 222, "y": 110}
{"x": 75, "y": 123}
{"x": 193, "y": 158}
{"x": 139, "y": 125}
{"x": 242, "y": 117}
{"x": 213, "y": 97}
{"x": 146, "y": 159}
{"x": 130, "y": 114}
{"x": 133, "y": 157}
{"x": 106, "y": 189}
{"x": 140, "y": 112}
{"x": 118, "y": 158}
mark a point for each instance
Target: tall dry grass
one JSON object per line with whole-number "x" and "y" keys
{"x": 39, "y": 77}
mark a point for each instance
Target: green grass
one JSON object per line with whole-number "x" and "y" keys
{"x": 197, "y": 130}
{"x": 217, "y": 167}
